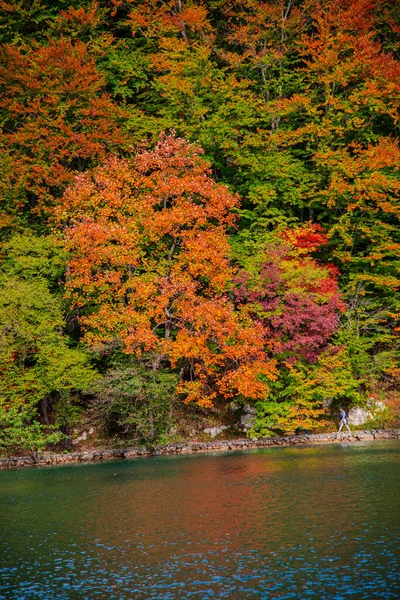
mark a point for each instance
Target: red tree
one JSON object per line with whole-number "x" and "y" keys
{"x": 296, "y": 299}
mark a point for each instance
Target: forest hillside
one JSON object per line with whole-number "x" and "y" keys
{"x": 199, "y": 217}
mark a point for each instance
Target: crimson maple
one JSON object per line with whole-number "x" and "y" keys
{"x": 296, "y": 299}
{"x": 297, "y": 302}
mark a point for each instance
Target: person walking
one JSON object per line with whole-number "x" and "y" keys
{"x": 343, "y": 421}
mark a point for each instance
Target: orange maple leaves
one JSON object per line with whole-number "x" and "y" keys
{"x": 150, "y": 269}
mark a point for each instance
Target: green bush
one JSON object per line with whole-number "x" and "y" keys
{"x": 20, "y": 431}
{"x": 136, "y": 402}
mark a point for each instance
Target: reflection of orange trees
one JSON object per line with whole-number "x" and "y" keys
{"x": 209, "y": 500}
{"x": 150, "y": 270}
{"x": 255, "y": 497}
{"x": 269, "y": 501}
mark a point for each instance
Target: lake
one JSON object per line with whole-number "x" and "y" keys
{"x": 311, "y": 522}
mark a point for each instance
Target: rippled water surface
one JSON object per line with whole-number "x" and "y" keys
{"x": 317, "y": 522}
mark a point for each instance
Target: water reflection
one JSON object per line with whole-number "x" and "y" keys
{"x": 276, "y": 523}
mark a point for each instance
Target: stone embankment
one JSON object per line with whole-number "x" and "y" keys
{"x": 48, "y": 458}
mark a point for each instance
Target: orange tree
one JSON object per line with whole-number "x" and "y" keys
{"x": 55, "y": 118}
{"x": 150, "y": 271}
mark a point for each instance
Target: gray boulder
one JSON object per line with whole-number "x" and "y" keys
{"x": 214, "y": 431}
{"x": 358, "y": 416}
{"x": 248, "y": 418}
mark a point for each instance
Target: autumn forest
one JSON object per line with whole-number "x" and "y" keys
{"x": 199, "y": 212}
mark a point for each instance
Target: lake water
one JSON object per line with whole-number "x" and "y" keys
{"x": 318, "y": 522}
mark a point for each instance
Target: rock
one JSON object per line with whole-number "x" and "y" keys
{"x": 82, "y": 434}
{"x": 81, "y": 438}
{"x": 364, "y": 436}
{"x": 358, "y": 416}
{"x": 214, "y": 431}
{"x": 247, "y": 421}
{"x": 248, "y": 418}
{"x": 188, "y": 447}
{"x": 131, "y": 452}
{"x": 375, "y": 407}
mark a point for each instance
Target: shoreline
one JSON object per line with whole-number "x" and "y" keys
{"x": 98, "y": 455}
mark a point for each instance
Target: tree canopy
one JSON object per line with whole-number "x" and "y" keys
{"x": 203, "y": 196}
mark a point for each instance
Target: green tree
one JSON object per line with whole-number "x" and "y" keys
{"x": 135, "y": 401}
{"x": 39, "y": 368}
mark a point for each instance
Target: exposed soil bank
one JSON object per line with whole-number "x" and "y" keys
{"x": 48, "y": 458}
